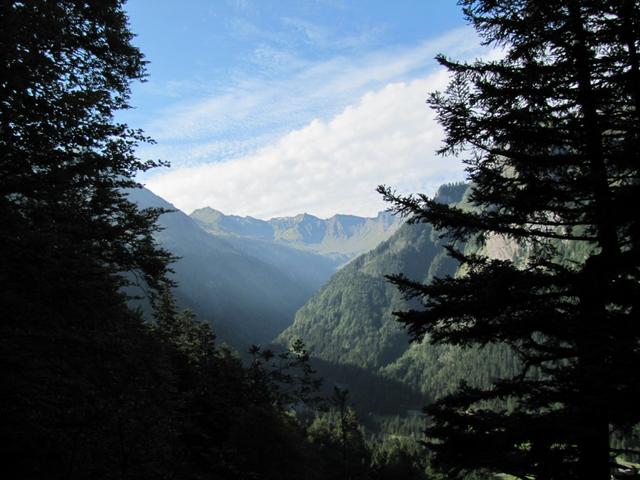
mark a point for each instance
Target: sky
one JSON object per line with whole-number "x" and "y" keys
{"x": 275, "y": 108}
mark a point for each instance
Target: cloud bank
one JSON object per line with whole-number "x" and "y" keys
{"x": 329, "y": 166}
{"x": 316, "y": 137}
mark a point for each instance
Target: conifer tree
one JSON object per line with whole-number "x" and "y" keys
{"x": 66, "y": 68}
{"x": 550, "y": 136}
{"x": 79, "y": 394}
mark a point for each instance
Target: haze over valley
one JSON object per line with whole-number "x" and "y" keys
{"x": 248, "y": 277}
{"x": 320, "y": 239}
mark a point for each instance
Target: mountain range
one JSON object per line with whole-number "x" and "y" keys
{"x": 340, "y": 237}
{"x": 264, "y": 281}
{"x": 248, "y": 277}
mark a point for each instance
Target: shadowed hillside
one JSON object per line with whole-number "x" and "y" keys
{"x": 249, "y": 291}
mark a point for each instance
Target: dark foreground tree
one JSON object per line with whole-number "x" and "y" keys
{"x": 550, "y": 134}
{"x": 81, "y": 389}
{"x": 228, "y": 421}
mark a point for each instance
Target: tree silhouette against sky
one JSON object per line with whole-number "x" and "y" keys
{"x": 550, "y": 136}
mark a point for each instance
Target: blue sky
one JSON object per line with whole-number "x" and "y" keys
{"x": 272, "y": 108}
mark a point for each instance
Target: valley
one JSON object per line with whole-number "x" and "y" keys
{"x": 320, "y": 240}
{"x": 248, "y": 277}
{"x": 323, "y": 281}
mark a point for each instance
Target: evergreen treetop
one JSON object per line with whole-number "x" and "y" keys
{"x": 65, "y": 69}
{"x": 83, "y": 388}
{"x": 550, "y": 134}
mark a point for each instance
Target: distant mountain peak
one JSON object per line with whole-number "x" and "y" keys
{"x": 206, "y": 211}
{"x": 306, "y": 216}
{"x": 341, "y": 235}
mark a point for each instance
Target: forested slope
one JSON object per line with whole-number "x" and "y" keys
{"x": 350, "y": 321}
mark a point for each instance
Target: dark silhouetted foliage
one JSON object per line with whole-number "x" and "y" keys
{"x": 550, "y": 134}
{"x": 81, "y": 389}
{"x": 89, "y": 390}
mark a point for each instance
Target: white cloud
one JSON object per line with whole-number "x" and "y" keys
{"x": 298, "y": 142}
{"x": 389, "y": 136}
{"x": 301, "y": 91}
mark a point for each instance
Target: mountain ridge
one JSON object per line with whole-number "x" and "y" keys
{"x": 232, "y": 273}
{"x": 349, "y": 322}
{"x": 341, "y": 236}
{"x": 247, "y": 290}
